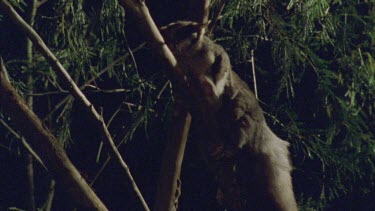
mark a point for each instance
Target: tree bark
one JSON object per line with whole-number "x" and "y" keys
{"x": 47, "y": 146}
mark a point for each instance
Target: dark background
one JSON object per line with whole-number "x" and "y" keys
{"x": 332, "y": 137}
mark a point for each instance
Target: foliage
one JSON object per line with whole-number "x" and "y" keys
{"x": 323, "y": 53}
{"x": 315, "y": 72}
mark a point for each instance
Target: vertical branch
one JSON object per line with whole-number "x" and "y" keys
{"x": 32, "y": 7}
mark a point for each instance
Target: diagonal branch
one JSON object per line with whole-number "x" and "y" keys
{"x": 73, "y": 88}
{"x": 153, "y": 36}
{"x": 97, "y": 75}
{"x": 25, "y": 144}
{"x": 47, "y": 146}
{"x": 216, "y": 17}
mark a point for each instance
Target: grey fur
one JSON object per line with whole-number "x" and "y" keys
{"x": 251, "y": 163}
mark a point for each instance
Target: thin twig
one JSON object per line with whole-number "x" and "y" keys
{"x": 40, "y": 3}
{"x": 47, "y": 93}
{"x": 24, "y": 143}
{"x": 162, "y": 89}
{"x": 216, "y": 17}
{"x": 100, "y": 171}
{"x": 113, "y": 64}
{"x": 101, "y": 143}
{"x": 254, "y": 76}
{"x": 57, "y": 106}
{"x": 63, "y": 101}
{"x": 131, "y": 55}
{"x": 138, "y": 106}
{"x": 108, "y": 91}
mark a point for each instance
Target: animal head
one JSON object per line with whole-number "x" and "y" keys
{"x": 181, "y": 34}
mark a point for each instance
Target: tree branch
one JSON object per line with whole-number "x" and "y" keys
{"x": 97, "y": 90}
{"x": 216, "y": 17}
{"x": 63, "y": 101}
{"x": 47, "y": 146}
{"x": 73, "y": 88}
{"x": 24, "y": 143}
{"x": 40, "y": 2}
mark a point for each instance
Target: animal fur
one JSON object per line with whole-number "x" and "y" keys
{"x": 250, "y": 162}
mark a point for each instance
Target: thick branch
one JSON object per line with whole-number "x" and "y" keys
{"x": 47, "y": 146}
{"x": 73, "y": 88}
